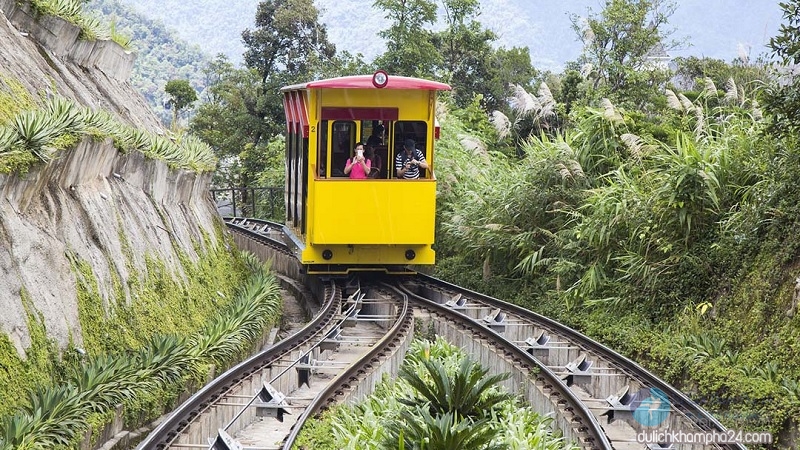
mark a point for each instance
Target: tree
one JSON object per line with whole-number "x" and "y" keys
{"x": 288, "y": 39}
{"x": 181, "y": 95}
{"x": 782, "y": 97}
{"x": 409, "y": 47}
{"x": 231, "y": 120}
{"x": 466, "y": 49}
{"x": 509, "y": 67}
{"x": 289, "y": 45}
{"x": 618, "y": 45}
{"x": 692, "y": 73}
{"x": 470, "y": 63}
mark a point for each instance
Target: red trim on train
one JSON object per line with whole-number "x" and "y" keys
{"x": 365, "y": 82}
{"x": 294, "y": 104}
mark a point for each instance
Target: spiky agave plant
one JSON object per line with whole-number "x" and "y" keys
{"x": 104, "y": 382}
{"x": 8, "y": 142}
{"x": 164, "y": 149}
{"x": 164, "y": 361}
{"x": 420, "y": 430}
{"x": 35, "y": 130}
{"x": 65, "y": 115}
{"x": 198, "y": 154}
{"x": 467, "y": 393}
{"x": 257, "y": 303}
{"x": 17, "y": 433}
{"x": 57, "y": 414}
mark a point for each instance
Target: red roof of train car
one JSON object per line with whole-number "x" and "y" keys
{"x": 365, "y": 82}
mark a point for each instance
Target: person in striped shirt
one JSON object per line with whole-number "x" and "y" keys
{"x": 408, "y": 162}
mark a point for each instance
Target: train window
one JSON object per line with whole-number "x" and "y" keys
{"x": 343, "y": 140}
{"x": 411, "y": 129}
{"x": 374, "y": 135}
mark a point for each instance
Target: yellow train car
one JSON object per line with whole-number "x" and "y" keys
{"x": 347, "y": 206}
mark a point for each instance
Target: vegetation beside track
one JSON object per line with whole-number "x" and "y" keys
{"x": 442, "y": 400}
{"x": 201, "y": 326}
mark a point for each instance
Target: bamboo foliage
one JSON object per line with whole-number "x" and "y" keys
{"x": 508, "y": 219}
{"x": 603, "y": 211}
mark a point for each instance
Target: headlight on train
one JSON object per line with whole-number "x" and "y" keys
{"x": 327, "y": 255}
{"x": 410, "y": 254}
{"x": 380, "y": 78}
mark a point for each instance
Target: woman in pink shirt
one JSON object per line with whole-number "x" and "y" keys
{"x": 358, "y": 166}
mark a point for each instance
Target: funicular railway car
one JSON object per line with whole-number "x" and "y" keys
{"x": 337, "y": 224}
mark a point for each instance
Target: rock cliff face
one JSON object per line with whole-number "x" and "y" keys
{"x": 91, "y": 203}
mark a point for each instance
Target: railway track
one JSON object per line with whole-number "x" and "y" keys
{"x": 341, "y": 353}
{"x": 599, "y": 399}
{"x": 629, "y": 403}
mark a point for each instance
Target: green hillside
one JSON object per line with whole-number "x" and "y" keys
{"x": 161, "y": 54}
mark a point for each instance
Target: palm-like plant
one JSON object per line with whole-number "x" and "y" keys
{"x": 467, "y": 393}
{"x": 36, "y": 129}
{"x": 422, "y": 431}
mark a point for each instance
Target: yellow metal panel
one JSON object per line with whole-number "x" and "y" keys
{"x": 373, "y": 212}
{"x": 413, "y": 105}
{"x": 351, "y": 255}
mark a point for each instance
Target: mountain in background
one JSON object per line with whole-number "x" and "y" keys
{"x": 161, "y": 54}
{"x": 721, "y": 29}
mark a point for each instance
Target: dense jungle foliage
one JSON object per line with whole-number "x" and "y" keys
{"x": 650, "y": 207}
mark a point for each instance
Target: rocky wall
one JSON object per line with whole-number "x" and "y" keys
{"x": 106, "y": 208}
{"x": 47, "y": 56}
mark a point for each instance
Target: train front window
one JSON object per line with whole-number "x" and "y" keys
{"x": 343, "y": 139}
{"x": 416, "y": 130}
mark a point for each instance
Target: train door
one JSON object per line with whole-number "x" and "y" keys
{"x": 322, "y": 151}
{"x": 296, "y": 187}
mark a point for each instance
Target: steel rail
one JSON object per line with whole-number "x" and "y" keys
{"x": 679, "y": 400}
{"x": 583, "y": 420}
{"x": 344, "y": 381}
{"x": 172, "y": 426}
